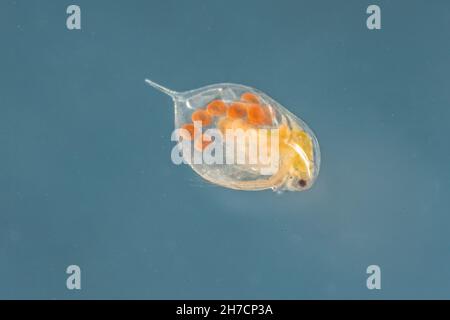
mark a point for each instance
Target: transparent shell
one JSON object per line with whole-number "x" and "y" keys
{"x": 297, "y": 159}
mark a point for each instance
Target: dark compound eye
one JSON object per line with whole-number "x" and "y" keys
{"x": 302, "y": 183}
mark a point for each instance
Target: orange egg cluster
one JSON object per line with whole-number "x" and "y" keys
{"x": 247, "y": 113}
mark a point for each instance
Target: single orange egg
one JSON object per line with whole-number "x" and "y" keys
{"x": 250, "y": 97}
{"x": 237, "y": 110}
{"x": 202, "y": 116}
{"x": 217, "y": 108}
{"x": 258, "y": 115}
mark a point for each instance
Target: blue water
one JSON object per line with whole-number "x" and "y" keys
{"x": 86, "y": 176}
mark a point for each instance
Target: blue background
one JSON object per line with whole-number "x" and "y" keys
{"x": 86, "y": 176}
